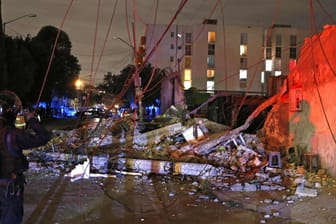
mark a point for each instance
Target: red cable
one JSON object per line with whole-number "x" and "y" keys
{"x": 105, "y": 40}
{"x": 93, "y": 53}
{"x": 276, "y": 13}
{"x": 127, "y": 25}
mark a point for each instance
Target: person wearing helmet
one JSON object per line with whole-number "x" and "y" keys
{"x": 12, "y": 161}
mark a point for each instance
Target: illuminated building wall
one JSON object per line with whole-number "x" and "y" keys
{"x": 212, "y": 57}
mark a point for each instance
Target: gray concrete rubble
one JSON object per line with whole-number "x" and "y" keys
{"x": 235, "y": 163}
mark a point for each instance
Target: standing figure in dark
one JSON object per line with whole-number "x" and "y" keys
{"x": 12, "y": 161}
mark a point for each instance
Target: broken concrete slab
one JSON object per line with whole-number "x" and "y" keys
{"x": 195, "y": 169}
{"x": 306, "y": 192}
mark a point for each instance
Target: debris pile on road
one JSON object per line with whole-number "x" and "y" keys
{"x": 204, "y": 149}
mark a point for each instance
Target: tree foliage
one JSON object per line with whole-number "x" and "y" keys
{"x": 21, "y": 67}
{"x": 27, "y": 60}
{"x": 150, "y": 78}
{"x": 64, "y": 68}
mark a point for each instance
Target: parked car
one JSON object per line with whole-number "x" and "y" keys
{"x": 91, "y": 113}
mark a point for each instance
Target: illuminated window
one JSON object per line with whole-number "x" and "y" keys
{"x": 187, "y": 75}
{"x": 211, "y": 37}
{"x": 210, "y": 86}
{"x": 210, "y": 73}
{"x": 243, "y": 50}
{"x": 242, "y": 74}
{"x": 187, "y": 84}
{"x": 277, "y": 73}
{"x": 187, "y": 79}
{"x": 268, "y": 65}
{"x": 211, "y": 61}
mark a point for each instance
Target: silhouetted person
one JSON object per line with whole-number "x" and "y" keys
{"x": 12, "y": 161}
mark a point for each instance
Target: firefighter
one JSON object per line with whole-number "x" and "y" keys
{"x": 12, "y": 161}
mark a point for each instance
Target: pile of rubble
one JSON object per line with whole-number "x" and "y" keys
{"x": 230, "y": 162}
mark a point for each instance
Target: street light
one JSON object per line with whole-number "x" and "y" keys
{"x": 78, "y": 85}
{"x": 31, "y": 15}
{"x": 124, "y": 41}
{"x": 137, "y": 82}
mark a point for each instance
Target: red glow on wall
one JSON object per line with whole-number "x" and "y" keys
{"x": 292, "y": 64}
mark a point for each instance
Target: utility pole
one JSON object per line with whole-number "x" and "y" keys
{"x": 137, "y": 79}
{"x": 31, "y": 15}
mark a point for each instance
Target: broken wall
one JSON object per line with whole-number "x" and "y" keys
{"x": 305, "y": 113}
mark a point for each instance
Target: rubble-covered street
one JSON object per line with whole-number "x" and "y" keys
{"x": 108, "y": 171}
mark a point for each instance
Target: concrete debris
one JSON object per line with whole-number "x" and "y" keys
{"x": 80, "y": 171}
{"x": 306, "y": 192}
{"x": 195, "y": 169}
{"x": 193, "y": 134}
{"x": 203, "y": 149}
{"x": 143, "y": 166}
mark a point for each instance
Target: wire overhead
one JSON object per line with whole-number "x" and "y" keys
{"x": 53, "y": 51}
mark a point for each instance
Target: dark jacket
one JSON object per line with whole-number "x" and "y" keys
{"x": 13, "y": 141}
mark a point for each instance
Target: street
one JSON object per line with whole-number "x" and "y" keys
{"x": 126, "y": 199}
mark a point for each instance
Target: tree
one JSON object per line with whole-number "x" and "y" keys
{"x": 64, "y": 69}
{"x": 21, "y": 66}
{"x": 114, "y": 83}
{"x": 150, "y": 78}
{"x": 151, "y": 84}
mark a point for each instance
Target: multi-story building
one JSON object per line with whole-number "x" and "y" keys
{"x": 212, "y": 57}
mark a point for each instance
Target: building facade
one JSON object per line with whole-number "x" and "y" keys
{"x": 212, "y": 57}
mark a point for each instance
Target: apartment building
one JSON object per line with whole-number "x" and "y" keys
{"x": 212, "y": 57}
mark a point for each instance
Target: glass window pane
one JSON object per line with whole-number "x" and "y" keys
{"x": 187, "y": 74}
{"x": 211, "y": 61}
{"x": 268, "y": 65}
{"x": 211, "y": 37}
{"x": 210, "y": 73}
{"x": 187, "y": 84}
{"x": 243, "y": 38}
{"x": 243, "y": 74}
{"x": 243, "y": 50}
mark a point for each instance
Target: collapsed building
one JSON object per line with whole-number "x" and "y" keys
{"x": 302, "y": 117}
{"x": 293, "y": 134}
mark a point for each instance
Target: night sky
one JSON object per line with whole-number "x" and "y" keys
{"x": 81, "y": 19}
